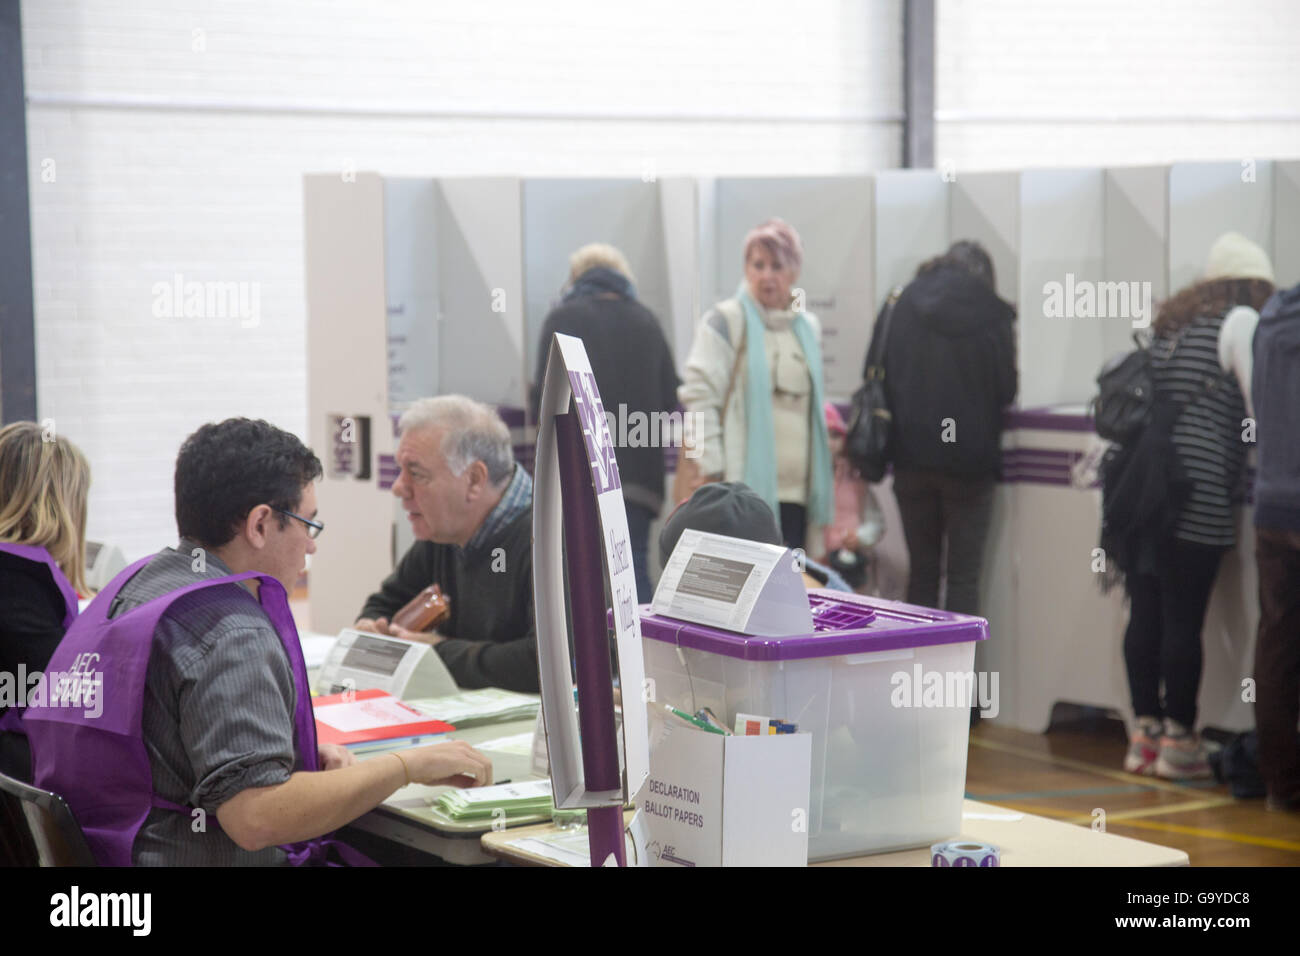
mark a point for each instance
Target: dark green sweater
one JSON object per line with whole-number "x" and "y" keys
{"x": 491, "y": 636}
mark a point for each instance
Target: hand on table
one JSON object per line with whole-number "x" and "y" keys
{"x": 334, "y": 756}
{"x": 454, "y": 764}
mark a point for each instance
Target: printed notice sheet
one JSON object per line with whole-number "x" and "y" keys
{"x": 715, "y": 580}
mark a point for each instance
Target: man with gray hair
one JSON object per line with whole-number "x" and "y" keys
{"x": 471, "y": 508}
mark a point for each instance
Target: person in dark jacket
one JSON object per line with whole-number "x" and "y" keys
{"x": 636, "y": 377}
{"x": 1276, "y": 394}
{"x": 950, "y": 370}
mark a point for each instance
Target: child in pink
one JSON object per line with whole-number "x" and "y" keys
{"x": 844, "y": 551}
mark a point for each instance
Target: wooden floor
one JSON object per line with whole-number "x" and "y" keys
{"x": 1075, "y": 770}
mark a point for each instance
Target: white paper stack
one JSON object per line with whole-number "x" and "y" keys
{"x": 473, "y": 707}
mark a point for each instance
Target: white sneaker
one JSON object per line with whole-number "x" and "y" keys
{"x": 1182, "y": 755}
{"x": 1143, "y": 749}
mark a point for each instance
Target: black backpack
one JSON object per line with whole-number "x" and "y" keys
{"x": 1126, "y": 393}
{"x": 1237, "y": 765}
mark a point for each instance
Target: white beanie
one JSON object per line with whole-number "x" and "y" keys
{"x": 1233, "y": 256}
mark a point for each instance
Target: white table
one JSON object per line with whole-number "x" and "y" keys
{"x": 1022, "y": 838}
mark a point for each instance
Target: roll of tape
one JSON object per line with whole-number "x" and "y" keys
{"x": 964, "y": 853}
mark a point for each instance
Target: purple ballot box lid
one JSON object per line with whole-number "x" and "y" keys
{"x": 842, "y": 624}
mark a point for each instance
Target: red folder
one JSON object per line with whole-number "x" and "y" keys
{"x": 417, "y": 726}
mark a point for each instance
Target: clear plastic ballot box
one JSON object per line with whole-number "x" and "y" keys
{"x": 885, "y": 690}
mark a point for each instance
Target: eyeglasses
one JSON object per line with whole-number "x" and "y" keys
{"x": 314, "y": 528}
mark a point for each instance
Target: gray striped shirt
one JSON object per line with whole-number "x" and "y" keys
{"x": 1207, "y": 433}
{"x": 218, "y": 710}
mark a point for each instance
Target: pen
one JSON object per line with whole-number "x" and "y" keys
{"x": 693, "y": 721}
{"x": 711, "y": 719}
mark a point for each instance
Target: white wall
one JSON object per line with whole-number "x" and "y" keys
{"x": 1114, "y": 82}
{"x": 175, "y": 151}
{"x": 182, "y": 152}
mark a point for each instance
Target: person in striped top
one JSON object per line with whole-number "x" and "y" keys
{"x": 1169, "y": 589}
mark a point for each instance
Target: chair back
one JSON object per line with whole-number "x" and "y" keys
{"x": 40, "y": 828}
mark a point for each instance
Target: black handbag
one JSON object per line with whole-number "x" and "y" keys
{"x": 867, "y": 444}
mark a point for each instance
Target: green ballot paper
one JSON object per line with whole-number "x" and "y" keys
{"x": 522, "y": 799}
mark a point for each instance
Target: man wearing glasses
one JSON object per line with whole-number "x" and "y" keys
{"x": 218, "y": 700}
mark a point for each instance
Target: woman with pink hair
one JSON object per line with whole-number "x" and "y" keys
{"x": 754, "y": 385}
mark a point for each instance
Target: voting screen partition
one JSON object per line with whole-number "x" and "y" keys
{"x": 428, "y": 286}
{"x": 1207, "y": 199}
{"x": 347, "y": 383}
{"x": 1061, "y": 239}
{"x": 1286, "y": 222}
{"x": 650, "y": 222}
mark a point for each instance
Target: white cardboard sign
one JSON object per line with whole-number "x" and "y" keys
{"x": 569, "y": 374}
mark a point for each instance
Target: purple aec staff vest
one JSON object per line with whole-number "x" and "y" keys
{"x": 12, "y": 719}
{"x": 87, "y": 739}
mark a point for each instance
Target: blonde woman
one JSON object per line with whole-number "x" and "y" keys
{"x": 43, "y": 486}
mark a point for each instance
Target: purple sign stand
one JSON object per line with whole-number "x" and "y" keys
{"x": 579, "y": 524}
{"x": 590, "y": 641}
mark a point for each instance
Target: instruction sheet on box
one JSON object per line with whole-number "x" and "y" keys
{"x": 715, "y": 580}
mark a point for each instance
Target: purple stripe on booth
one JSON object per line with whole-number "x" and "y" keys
{"x": 1046, "y": 419}
{"x": 1013, "y": 418}
{"x": 1045, "y": 454}
{"x": 512, "y": 415}
{"x": 526, "y": 455}
{"x": 1045, "y": 466}
{"x": 388, "y": 472}
{"x": 1043, "y": 479}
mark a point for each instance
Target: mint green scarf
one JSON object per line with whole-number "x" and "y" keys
{"x": 760, "y": 443}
